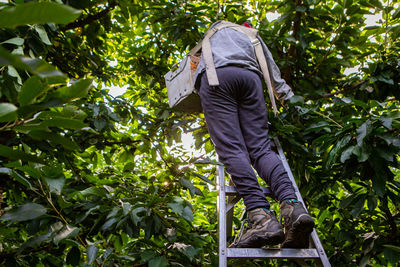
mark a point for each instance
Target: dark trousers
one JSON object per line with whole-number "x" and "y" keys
{"x": 237, "y": 121}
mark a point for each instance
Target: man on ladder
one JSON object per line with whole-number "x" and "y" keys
{"x": 229, "y": 81}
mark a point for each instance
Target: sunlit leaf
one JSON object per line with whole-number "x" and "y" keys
{"x": 36, "y": 13}
{"x": 31, "y": 89}
{"x": 67, "y": 231}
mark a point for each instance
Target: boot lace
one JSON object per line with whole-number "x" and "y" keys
{"x": 246, "y": 224}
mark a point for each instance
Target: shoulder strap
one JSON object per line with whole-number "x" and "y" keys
{"x": 205, "y": 46}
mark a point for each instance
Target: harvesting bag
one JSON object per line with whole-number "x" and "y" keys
{"x": 180, "y": 85}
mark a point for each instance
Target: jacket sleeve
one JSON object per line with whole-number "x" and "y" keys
{"x": 281, "y": 87}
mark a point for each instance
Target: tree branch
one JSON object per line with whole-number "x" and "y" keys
{"x": 348, "y": 88}
{"x": 288, "y": 72}
{"x": 125, "y": 142}
{"x": 90, "y": 18}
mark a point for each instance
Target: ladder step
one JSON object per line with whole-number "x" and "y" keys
{"x": 287, "y": 253}
{"x": 231, "y": 190}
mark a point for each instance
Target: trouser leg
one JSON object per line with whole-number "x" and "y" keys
{"x": 220, "y": 106}
{"x": 254, "y": 125}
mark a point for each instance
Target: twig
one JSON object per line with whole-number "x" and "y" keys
{"x": 48, "y": 198}
{"x": 90, "y": 18}
{"x": 326, "y": 117}
{"x": 15, "y": 123}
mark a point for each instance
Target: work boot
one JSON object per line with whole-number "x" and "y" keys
{"x": 298, "y": 224}
{"x": 264, "y": 230}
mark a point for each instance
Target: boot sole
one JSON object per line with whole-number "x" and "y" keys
{"x": 263, "y": 239}
{"x": 300, "y": 232}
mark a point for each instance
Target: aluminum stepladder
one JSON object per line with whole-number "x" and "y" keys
{"x": 225, "y": 215}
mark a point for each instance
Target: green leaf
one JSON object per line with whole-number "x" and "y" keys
{"x": 15, "y": 41}
{"x": 25, "y": 212}
{"x": 372, "y": 203}
{"x": 387, "y": 122}
{"x": 134, "y": 217}
{"x": 393, "y": 256}
{"x": 74, "y": 256}
{"x": 202, "y": 177}
{"x": 390, "y": 140}
{"x": 364, "y": 261}
{"x": 55, "y": 185}
{"x": 297, "y": 99}
{"x": 346, "y": 154}
{"x": 176, "y": 207}
{"x": 54, "y": 138}
{"x": 301, "y": 9}
{"x": 207, "y": 161}
{"x": 191, "y": 252}
{"x": 147, "y": 255}
{"x": 21, "y": 179}
{"x": 126, "y": 208}
{"x": 396, "y": 14}
{"x": 91, "y": 253}
{"x": 158, "y": 262}
{"x": 42, "y": 34}
{"x": 8, "y": 152}
{"x": 77, "y": 90}
{"x": 66, "y": 232}
{"x": 37, "y": 13}
{"x": 361, "y": 153}
{"x": 33, "y": 65}
{"x": 385, "y": 154}
{"x": 378, "y": 184}
{"x": 66, "y": 123}
{"x": 7, "y": 112}
{"x": 14, "y": 73}
{"x": 315, "y": 127}
{"x": 188, "y": 184}
{"x": 358, "y": 207}
{"x": 35, "y": 241}
{"x": 394, "y": 248}
{"x": 346, "y": 201}
{"x": 363, "y": 131}
{"x": 109, "y": 223}
{"x": 187, "y": 214}
{"x": 42, "y": 69}
{"x": 31, "y": 89}
{"x": 376, "y": 3}
{"x": 99, "y": 124}
{"x": 93, "y": 191}
{"x": 334, "y": 153}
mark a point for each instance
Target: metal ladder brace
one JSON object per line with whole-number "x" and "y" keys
{"x": 225, "y": 215}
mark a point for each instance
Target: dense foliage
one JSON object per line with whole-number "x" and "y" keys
{"x": 92, "y": 179}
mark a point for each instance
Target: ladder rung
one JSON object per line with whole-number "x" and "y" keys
{"x": 287, "y": 253}
{"x": 231, "y": 190}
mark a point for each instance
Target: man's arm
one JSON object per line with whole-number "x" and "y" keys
{"x": 281, "y": 87}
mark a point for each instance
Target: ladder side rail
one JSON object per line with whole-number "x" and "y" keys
{"x": 221, "y": 205}
{"x": 229, "y": 208}
{"x": 229, "y": 218}
{"x": 323, "y": 257}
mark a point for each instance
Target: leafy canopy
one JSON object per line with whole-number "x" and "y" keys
{"x": 92, "y": 179}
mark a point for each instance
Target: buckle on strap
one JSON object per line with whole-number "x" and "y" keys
{"x": 255, "y": 42}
